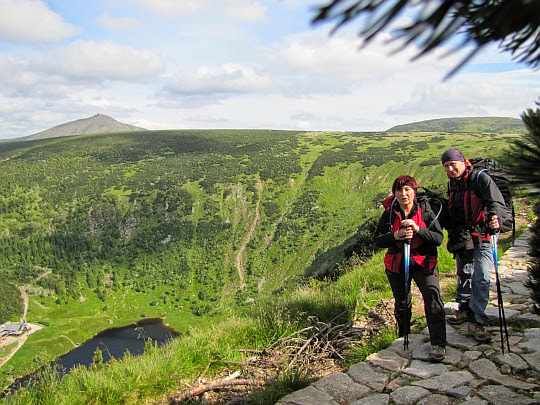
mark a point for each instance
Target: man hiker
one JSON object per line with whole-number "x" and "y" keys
{"x": 475, "y": 204}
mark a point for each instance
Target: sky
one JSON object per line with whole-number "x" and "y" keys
{"x": 181, "y": 64}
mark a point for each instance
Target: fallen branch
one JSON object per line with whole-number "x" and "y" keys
{"x": 227, "y": 382}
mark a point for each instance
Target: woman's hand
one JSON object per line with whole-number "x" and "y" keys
{"x": 409, "y": 223}
{"x": 404, "y": 233}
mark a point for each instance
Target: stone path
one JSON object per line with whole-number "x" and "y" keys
{"x": 471, "y": 373}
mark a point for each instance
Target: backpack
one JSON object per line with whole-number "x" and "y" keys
{"x": 503, "y": 181}
{"x": 432, "y": 201}
{"x": 428, "y": 201}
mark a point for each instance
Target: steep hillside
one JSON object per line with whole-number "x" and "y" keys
{"x": 465, "y": 124}
{"x": 190, "y": 225}
{"x": 99, "y": 123}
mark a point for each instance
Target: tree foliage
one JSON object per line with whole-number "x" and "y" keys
{"x": 524, "y": 162}
{"x": 513, "y": 24}
{"x": 524, "y": 157}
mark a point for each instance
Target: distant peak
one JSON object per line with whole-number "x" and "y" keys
{"x": 98, "y": 123}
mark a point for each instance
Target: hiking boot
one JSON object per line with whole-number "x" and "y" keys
{"x": 458, "y": 318}
{"x": 437, "y": 353}
{"x": 479, "y": 332}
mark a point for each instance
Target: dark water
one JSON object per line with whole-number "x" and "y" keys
{"x": 112, "y": 343}
{"x": 115, "y": 342}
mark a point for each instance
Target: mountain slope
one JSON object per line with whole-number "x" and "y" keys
{"x": 99, "y": 123}
{"x": 464, "y": 124}
{"x": 191, "y": 225}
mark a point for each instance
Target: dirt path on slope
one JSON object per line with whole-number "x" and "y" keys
{"x": 239, "y": 260}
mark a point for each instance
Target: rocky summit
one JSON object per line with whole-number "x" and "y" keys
{"x": 471, "y": 373}
{"x": 99, "y": 123}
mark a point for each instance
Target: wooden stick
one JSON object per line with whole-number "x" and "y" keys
{"x": 229, "y": 381}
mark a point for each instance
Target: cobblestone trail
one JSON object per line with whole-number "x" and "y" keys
{"x": 472, "y": 373}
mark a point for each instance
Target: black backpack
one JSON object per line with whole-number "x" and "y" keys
{"x": 428, "y": 201}
{"x": 503, "y": 181}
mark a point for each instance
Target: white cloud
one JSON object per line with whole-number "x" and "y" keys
{"x": 175, "y": 8}
{"x": 480, "y": 94}
{"x": 30, "y": 21}
{"x": 227, "y": 79}
{"x": 245, "y": 10}
{"x": 99, "y": 61}
{"x": 119, "y": 23}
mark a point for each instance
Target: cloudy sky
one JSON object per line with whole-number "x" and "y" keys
{"x": 164, "y": 64}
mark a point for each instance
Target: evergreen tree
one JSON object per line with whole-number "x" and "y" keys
{"x": 431, "y": 23}
{"x": 524, "y": 161}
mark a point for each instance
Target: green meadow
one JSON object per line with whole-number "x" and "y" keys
{"x": 243, "y": 232}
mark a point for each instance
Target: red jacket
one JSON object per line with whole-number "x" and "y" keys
{"x": 423, "y": 245}
{"x": 470, "y": 198}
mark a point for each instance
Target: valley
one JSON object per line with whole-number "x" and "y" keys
{"x": 196, "y": 227}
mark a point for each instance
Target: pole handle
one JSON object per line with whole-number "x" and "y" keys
{"x": 491, "y": 231}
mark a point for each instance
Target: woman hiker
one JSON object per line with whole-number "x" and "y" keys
{"x": 404, "y": 219}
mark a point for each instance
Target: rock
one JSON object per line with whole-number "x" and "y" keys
{"x": 308, "y": 396}
{"x": 415, "y": 341}
{"x": 363, "y": 373}
{"x": 493, "y": 315}
{"x": 475, "y": 401}
{"x": 377, "y": 399}
{"x": 486, "y": 369}
{"x": 388, "y": 360}
{"x": 408, "y": 395}
{"x": 400, "y": 380}
{"x": 519, "y": 289}
{"x": 500, "y": 395}
{"x": 529, "y": 320}
{"x": 477, "y": 382}
{"x": 467, "y": 357}
{"x": 459, "y": 341}
{"x": 435, "y": 399}
{"x": 459, "y": 392}
{"x": 342, "y": 388}
{"x": 505, "y": 369}
{"x": 511, "y": 359}
{"x": 533, "y": 359}
{"x": 446, "y": 381}
{"x": 531, "y": 340}
{"x": 422, "y": 369}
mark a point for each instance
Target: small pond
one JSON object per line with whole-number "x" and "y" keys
{"x": 112, "y": 342}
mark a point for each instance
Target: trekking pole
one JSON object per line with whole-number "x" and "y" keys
{"x": 406, "y": 262}
{"x": 502, "y": 318}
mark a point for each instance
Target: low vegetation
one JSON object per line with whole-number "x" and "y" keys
{"x": 244, "y": 236}
{"x": 10, "y": 304}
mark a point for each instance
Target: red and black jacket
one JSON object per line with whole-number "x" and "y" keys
{"x": 424, "y": 243}
{"x": 470, "y": 199}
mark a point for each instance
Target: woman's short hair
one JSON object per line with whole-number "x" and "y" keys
{"x": 404, "y": 181}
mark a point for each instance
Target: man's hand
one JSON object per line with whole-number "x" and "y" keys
{"x": 493, "y": 222}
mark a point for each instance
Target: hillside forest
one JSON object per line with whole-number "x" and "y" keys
{"x": 191, "y": 225}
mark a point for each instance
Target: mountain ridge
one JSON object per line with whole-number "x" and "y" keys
{"x": 99, "y": 123}
{"x": 463, "y": 124}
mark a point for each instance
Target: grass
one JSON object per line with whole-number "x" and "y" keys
{"x": 286, "y": 382}
{"x": 377, "y": 342}
{"x": 211, "y": 348}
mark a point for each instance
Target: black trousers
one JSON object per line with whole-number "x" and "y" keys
{"x": 428, "y": 284}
